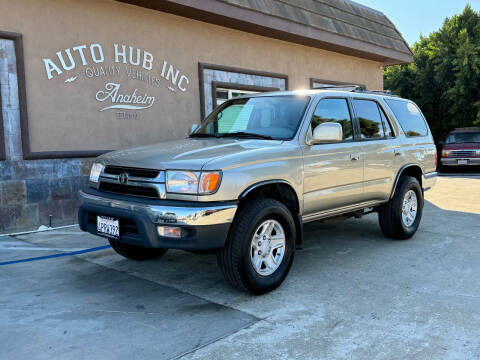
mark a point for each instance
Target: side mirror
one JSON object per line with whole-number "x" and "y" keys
{"x": 193, "y": 128}
{"x": 327, "y": 133}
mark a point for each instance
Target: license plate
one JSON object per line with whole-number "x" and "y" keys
{"x": 462, "y": 162}
{"x": 108, "y": 226}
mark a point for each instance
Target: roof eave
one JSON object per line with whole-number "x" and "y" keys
{"x": 223, "y": 14}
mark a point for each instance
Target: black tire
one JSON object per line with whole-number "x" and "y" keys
{"x": 390, "y": 214}
{"x": 134, "y": 252}
{"x": 234, "y": 259}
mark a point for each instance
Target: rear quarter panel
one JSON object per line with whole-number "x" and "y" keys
{"x": 417, "y": 150}
{"x": 420, "y": 150}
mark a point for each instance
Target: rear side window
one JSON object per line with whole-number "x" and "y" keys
{"x": 368, "y": 114}
{"x": 386, "y": 123}
{"x": 409, "y": 117}
{"x": 334, "y": 110}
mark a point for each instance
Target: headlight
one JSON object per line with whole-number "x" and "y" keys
{"x": 192, "y": 182}
{"x": 445, "y": 153}
{"x": 478, "y": 152}
{"x": 184, "y": 182}
{"x": 95, "y": 172}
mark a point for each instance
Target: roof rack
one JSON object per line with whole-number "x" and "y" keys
{"x": 378, "y": 92}
{"x": 356, "y": 88}
{"x": 351, "y": 87}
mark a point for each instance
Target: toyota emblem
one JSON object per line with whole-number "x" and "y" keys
{"x": 123, "y": 178}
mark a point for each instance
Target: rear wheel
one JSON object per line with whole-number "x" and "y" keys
{"x": 134, "y": 252}
{"x": 401, "y": 216}
{"x": 260, "y": 249}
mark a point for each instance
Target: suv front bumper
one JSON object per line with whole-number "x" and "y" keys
{"x": 204, "y": 225}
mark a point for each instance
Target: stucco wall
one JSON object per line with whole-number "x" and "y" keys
{"x": 66, "y": 115}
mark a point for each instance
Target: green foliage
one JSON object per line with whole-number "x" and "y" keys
{"x": 444, "y": 78}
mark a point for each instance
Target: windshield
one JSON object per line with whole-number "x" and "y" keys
{"x": 266, "y": 117}
{"x": 466, "y": 137}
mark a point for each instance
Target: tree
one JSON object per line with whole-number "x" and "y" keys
{"x": 444, "y": 77}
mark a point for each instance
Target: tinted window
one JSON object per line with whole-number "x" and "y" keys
{"x": 409, "y": 117}
{"x": 386, "y": 123}
{"x": 369, "y": 118}
{"x": 334, "y": 110}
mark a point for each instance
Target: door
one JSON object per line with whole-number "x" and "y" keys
{"x": 381, "y": 149}
{"x": 333, "y": 173}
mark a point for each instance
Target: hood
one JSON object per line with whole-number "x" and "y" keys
{"x": 191, "y": 153}
{"x": 462, "y": 146}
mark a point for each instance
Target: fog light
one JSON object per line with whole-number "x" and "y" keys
{"x": 168, "y": 231}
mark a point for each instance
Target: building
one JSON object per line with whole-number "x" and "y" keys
{"x": 79, "y": 78}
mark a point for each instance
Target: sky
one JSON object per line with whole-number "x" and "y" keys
{"x": 415, "y": 17}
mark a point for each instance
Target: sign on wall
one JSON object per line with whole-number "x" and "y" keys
{"x": 117, "y": 94}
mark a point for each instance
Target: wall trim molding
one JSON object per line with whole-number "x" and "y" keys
{"x": 39, "y": 155}
{"x": 3, "y": 155}
{"x": 201, "y": 81}
{"x": 22, "y": 97}
{"x": 22, "y": 101}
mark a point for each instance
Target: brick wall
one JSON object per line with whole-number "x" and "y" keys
{"x": 32, "y": 190}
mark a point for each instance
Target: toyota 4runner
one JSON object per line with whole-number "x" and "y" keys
{"x": 246, "y": 180}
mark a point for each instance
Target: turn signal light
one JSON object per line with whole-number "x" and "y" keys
{"x": 209, "y": 182}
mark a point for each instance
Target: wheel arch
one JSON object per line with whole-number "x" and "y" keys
{"x": 282, "y": 191}
{"x": 413, "y": 170}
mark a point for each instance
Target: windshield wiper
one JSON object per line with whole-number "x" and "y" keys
{"x": 247, "y": 135}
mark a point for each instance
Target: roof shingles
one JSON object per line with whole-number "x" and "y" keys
{"x": 341, "y": 17}
{"x": 336, "y": 25}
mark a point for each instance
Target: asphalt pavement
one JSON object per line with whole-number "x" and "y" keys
{"x": 351, "y": 294}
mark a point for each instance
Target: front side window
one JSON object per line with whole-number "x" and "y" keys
{"x": 275, "y": 117}
{"x": 334, "y": 110}
{"x": 409, "y": 117}
{"x": 368, "y": 113}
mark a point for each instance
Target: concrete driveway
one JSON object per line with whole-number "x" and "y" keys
{"x": 351, "y": 294}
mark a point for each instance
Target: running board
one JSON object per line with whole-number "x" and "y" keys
{"x": 339, "y": 211}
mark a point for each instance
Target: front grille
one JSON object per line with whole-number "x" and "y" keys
{"x": 129, "y": 190}
{"x": 135, "y": 172}
{"x": 128, "y": 227}
{"x": 463, "y": 153}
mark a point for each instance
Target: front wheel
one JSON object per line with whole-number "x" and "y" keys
{"x": 400, "y": 217}
{"x": 134, "y": 252}
{"x": 260, "y": 248}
